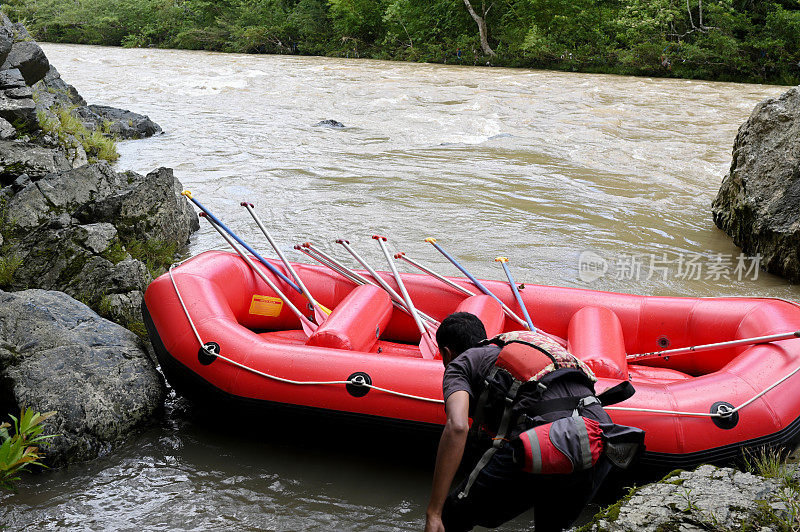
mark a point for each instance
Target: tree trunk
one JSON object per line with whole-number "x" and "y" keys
{"x": 482, "y": 30}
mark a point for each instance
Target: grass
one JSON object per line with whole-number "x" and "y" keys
{"x": 156, "y": 255}
{"x": 8, "y": 267}
{"x": 64, "y": 125}
{"x": 786, "y": 516}
{"x": 115, "y": 253}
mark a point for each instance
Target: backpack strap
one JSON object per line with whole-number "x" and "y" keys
{"x": 616, "y": 394}
{"x": 480, "y": 408}
{"x": 498, "y": 441}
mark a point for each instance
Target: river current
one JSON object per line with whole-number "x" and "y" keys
{"x": 580, "y": 180}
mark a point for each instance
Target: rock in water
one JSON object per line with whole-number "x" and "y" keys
{"x": 57, "y": 354}
{"x": 708, "y": 498}
{"x": 122, "y": 123}
{"x": 758, "y": 204}
{"x": 329, "y": 123}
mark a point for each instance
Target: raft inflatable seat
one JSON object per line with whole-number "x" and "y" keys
{"x": 594, "y": 335}
{"x": 488, "y": 310}
{"x": 357, "y": 322}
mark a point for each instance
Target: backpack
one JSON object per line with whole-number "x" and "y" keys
{"x": 528, "y": 361}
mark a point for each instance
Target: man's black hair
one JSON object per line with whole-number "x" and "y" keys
{"x": 460, "y": 331}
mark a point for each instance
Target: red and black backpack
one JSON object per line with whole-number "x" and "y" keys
{"x": 510, "y": 406}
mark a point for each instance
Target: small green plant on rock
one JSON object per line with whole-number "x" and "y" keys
{"x": 155, "y": 254}
{"x": 8, "y": 267}
{"x": 65, "y": 126}
{"x": 20, "y": 450}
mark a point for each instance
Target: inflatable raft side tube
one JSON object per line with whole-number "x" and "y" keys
{"x": 194, "y": 387}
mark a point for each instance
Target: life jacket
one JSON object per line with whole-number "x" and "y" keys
{"x": 511, "y": 401}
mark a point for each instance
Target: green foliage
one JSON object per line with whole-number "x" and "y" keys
{"x": 20, "y": 450}
{"x": 115, "y": 253}
{"x": 8, "y": 266}
{"x": 743, "y": 40}
{"x": 139, "y": 329}
{"x": 155, "y": 254}
{"x": 68, "y": 128}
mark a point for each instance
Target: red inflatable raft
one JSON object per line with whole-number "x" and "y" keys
{"x": 365, "y": 358}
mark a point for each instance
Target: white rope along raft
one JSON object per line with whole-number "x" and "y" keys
{"x": 722, "y": 412}
{"x": 358, "y": 380}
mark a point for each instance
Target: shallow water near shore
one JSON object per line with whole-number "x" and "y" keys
{"x": 553, "y": 170}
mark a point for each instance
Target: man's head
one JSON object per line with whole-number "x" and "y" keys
{"x": 457, "y": 333}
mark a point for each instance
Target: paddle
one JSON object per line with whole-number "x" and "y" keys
{"x": 427, "y": 345}
{"x": 311, "y": 253}
{"x": 261, "y": 259}
{"x": 476, "y": 282}
{"x": 504, "y": 262}
{"x": 380, "y": 281}
{"x": 433, "y": 274}
{"x": 308, "y": 326}
{"x": 320, "y": 312}
{"x": 344, "y": 271}
{"x": 656, "y": 355}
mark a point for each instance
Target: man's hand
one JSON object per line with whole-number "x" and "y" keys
{"x": 448, "y": 457}
{"x": 433, "y": 523}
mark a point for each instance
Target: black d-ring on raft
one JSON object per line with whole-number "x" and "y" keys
{"x": 726, "y": 421}
{"x": 356, "y": 386}
{"x": 208, "y": 353}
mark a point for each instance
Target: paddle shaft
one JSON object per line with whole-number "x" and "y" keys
{"x": 504, "y": 262}
{"x": 383, "y": 284}
{"x": 319, "y": 314}
{"x": 307, "y": 325}
{"x": 476, "y": 282}
{"x": 261, "y": 259}
{"x": 312, "y": 254}
{"x": 435, "y": 275}
{"x": 344, "y": 271}
{"x": 407, "y": 298}
{"x": 655, "y": 355}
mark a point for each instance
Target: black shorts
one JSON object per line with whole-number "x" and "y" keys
{"x": 502, "y": 491}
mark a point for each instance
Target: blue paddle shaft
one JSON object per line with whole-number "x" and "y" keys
{"x": 476, "y": 282}
{"x": 518, "y": 296}
{"x": 261, "y": 259}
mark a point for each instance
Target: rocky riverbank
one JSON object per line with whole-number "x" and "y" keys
{"x": 710, "y": 498}
{"x": 77, "y": 239}
{"x": 758, "y": 204}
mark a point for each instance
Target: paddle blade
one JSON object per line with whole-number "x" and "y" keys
{"x": 319, "y": 314}
{"x": 428, "y": 347}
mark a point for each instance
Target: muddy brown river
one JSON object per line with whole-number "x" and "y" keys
{"x": 580, "y": 180}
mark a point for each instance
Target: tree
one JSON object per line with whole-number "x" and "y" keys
{"x": 480, "y": 20}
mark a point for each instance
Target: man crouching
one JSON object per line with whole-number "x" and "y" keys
{"x": 534, "y": 383}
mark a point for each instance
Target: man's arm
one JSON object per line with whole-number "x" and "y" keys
{"x": 448, "y": 457}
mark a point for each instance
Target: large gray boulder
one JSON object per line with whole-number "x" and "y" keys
{"x": 29, "y": 59}
{"x": 22, "y": 157}
{"x": 708, "y": 498}
{"x": 18, "y": 109}
{"x": 121, "y": 123}
{"x": 57, "y": 354}
{"x": 758, "y": 204}
{"x": 6, "y": 40}
{"x": 92, "y": 233}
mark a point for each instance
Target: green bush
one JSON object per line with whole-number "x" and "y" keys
{"x": 20, "y": 450}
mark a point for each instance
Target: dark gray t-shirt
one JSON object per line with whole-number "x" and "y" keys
{"x": 469, "y": 370}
